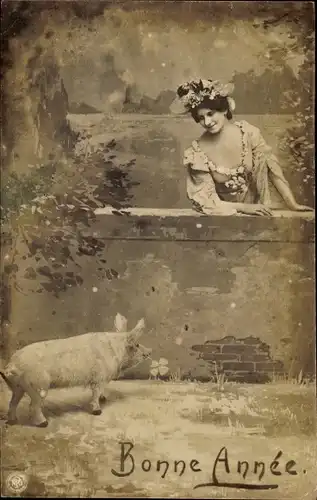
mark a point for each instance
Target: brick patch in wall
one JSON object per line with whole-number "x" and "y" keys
{"x": 252, "y": 357}
{"x": 218, "y": 356}
{"x": 253, "y": 341}
{"x": 207, "y": 348}
{"x": 238, "y": 348}
{"x": 264, "y": 348}
{"x": 245, "y": 360}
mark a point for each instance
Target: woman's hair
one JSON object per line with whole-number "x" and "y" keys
{"x": 219, "y": 103}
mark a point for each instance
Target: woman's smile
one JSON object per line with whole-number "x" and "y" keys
{"x": 211, "y": 126}
{"x": 212, "y": 121}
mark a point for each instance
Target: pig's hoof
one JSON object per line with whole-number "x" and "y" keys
{"x": 96, "y": 412}
{"x": 42, "y": 424}
{"x": 11, "y": 422}
{"x": 102, "y": 399}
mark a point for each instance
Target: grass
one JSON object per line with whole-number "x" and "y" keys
{"x": 300, "y": 379}
{"x": 164, "y": 421}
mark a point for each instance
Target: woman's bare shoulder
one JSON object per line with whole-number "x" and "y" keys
{"x": 248, "y": 127}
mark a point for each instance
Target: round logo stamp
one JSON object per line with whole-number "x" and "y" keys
{"x": 17, "y": 482}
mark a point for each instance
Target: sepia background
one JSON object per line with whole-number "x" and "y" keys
{"x": 89, "y": 119}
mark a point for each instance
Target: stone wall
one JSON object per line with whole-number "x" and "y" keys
{"x": 190, "y": 290}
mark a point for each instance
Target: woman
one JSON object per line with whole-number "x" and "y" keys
{"x": 230, "y": 165}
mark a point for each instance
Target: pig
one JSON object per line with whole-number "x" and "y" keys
{"x": 89, "y": 360}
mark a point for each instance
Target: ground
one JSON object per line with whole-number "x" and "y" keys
{"x": 169, "y": 421}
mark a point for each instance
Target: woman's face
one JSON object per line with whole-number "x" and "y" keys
{"x": 212, "y": 121}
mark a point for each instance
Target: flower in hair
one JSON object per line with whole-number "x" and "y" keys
{"x": 193, "y": 93}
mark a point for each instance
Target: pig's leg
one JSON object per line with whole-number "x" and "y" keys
{"x": 96, "y": 395}
{"x": 36, "y": 406}
{"x": 17, "y": 394}
{"x": 103, "y": 392}
{"x": 37, "y": 389}
{"x": 36, "y": 383}
{"x": 102, "y": 399}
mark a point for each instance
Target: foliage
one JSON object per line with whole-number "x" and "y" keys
{"x": 298, "y": 142}
{"x": 49, "y": 222}
{"x": 296, "y": 145}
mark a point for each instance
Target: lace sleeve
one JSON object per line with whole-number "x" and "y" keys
{"x": 195, "y": 160}
{"x": 263, "y": 152}
{"x": 265, "y": 165}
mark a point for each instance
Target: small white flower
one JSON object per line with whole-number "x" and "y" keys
{"x": 232, "y": 104}
{"x": 159, "y": 367}
{"x": 207, "y": 84}
{"x": 94, "y": 289}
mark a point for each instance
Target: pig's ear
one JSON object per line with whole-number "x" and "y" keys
{"x": 120, "y": 323}
{"x": 137, "y": 331}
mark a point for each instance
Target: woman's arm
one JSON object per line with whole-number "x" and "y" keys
{"x": 201, "y": 190}
{"x": 262, "y": 151}
{"x": 286, "y": 193}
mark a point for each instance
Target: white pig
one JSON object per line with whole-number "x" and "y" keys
{"x": 88, "y": 360}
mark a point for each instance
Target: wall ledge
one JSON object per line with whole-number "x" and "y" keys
{"x": 138, "y": 223}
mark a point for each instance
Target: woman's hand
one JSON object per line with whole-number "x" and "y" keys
{"x": 255, "y": 209}
{"x": 301, "y": 208}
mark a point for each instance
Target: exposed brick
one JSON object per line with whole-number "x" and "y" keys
{"x": 207, "y": 348}
{"x": 238, "y": 348}
{"x": 269, "y": 366}
{"x": 252, "y": 340}
{"x": 238, "y": 366}
{"x": 255, "y": 357}
{"x": 263, "y": 348}
{"x": 220, "y": 357}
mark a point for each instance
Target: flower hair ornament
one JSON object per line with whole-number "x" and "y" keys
{"x": 191, "y": 94}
